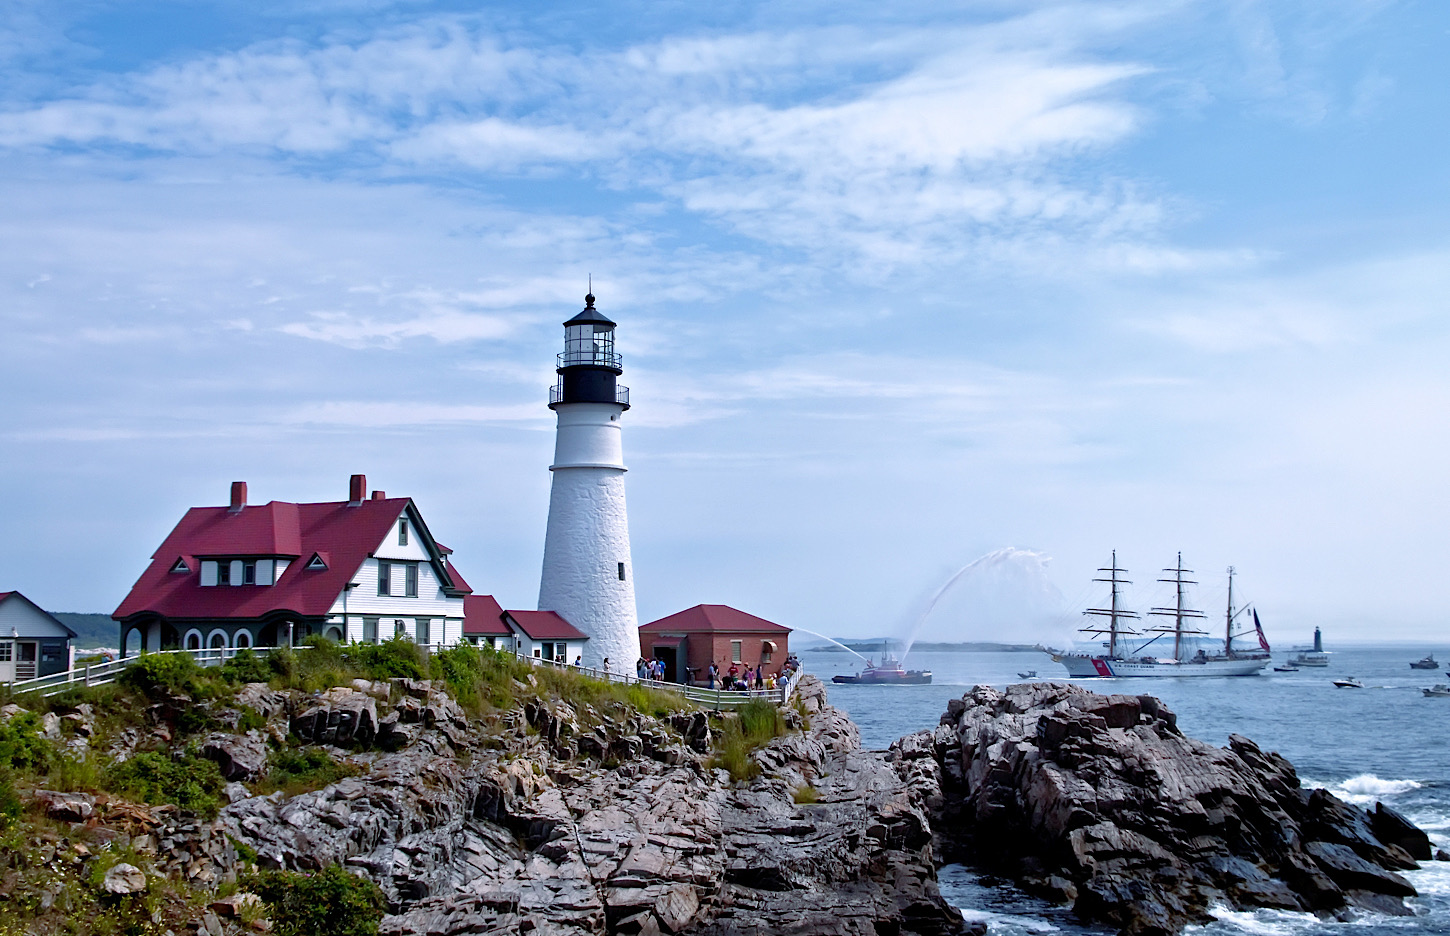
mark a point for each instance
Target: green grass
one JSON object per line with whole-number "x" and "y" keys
{"x": 805, "y": 795}
{"x": 302, "y": 770}
{"x": 751, "y": 726}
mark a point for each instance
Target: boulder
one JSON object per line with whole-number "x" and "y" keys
{"x": 1103, "y": 802}
{"x": 66, "y": 807}
{"x": 124, "y": 879}
{"x": 239, "y": 757}
{"x": 338, "y": 716}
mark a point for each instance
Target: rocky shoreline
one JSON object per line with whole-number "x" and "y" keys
{"x": 1102, "y": 803}
{"x": 558, "y": 818}
{"x": 548, "y": 827}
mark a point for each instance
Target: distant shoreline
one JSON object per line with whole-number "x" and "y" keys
{"x": 968, "y": 646}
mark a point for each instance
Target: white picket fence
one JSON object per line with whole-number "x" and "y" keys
{"x": 98, "y": 674}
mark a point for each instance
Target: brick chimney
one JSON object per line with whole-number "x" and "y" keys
{"x": 357, "y": 490}
{"x": 380, "y": 495}
{"x": 239, "y": 497}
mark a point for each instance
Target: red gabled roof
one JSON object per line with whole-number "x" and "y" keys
{"x": 545, "y": 625}
{"x": 345, "y": 534}
{"x": 483, "y": 617}
{"x": 714, "y": 619}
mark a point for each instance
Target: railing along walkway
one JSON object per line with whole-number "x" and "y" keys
{"x": 710, "y": 698}
{"x": 99, "y": 674}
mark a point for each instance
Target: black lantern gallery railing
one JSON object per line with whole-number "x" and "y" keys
{"x": 556, "y": 394}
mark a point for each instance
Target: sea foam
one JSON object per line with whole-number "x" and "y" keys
{"x": 1365, "y": 789}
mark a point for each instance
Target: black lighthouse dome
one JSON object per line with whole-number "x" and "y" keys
{"x": 588, "y": 366}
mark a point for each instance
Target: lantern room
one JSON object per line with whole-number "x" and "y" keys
{"x": 588, "y": 365}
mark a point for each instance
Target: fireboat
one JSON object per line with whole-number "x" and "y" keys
{"x": 889, "y": 673}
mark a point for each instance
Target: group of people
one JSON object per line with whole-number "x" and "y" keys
{"x": 741, "y": 677}
{"x": 653, "y": 668}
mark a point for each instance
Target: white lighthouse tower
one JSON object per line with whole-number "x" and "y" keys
{"x": 588, "y": 575}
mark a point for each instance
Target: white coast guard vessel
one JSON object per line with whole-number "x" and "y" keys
{"x": 1123, "y": 660}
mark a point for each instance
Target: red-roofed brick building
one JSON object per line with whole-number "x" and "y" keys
{"x": 689, "y": 640}
{"x": 363, "y": 569}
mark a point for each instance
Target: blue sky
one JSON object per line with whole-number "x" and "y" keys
{"x": 896, "y": 288}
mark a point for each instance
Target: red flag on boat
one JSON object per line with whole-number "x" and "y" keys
{"x": 1259, "y": 628}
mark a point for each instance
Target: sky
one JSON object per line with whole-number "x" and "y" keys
{"x": 899, "y": 286}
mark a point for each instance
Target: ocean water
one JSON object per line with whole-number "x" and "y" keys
{"x": 1386, "y": 742}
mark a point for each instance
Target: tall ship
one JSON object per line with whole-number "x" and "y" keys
{"x": 1128, "y": 650}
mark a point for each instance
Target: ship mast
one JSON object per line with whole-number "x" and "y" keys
{"x": 1113, "y": 613}
{"x": 1228, "y": 630}
{"x": 1178, "y": 612}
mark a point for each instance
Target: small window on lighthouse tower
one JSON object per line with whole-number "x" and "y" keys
{"x": 621, "y": 571}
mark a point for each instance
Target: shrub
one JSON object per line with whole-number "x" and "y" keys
{"x": 247, "y": 667}
{"x": 391, "y": 659}
{"x": 805, "y": 795}
{"x": 165, "y": 674}
{"x": 9, "y": 801}
{"x": 190, "y": 782}
{"x": 283, "y": 661}
{"x": 22, "y": 746}
{"x": 330, "y": 902}
{"x": 302, "y": 770}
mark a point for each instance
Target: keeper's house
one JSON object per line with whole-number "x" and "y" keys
{"x": 687, "y": 641}
{"x": 364, "y": 569}
{"x": 32, "y": 642}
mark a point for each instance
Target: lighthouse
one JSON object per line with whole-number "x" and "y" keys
{"x": 588, "y": 576}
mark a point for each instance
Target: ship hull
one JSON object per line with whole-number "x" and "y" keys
{"x": 1082, "y": 666}
{"x": 910, "y": 679}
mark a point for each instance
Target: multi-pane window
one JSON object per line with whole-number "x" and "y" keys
{"x": 402, "y": 532}
{"x": 7, "y": 651}
{"x": 735, "y": 651}
{"x": 223, "y": 573}
{"x": 370, "y": 630}
{"x": 385, "y": 578}
{"x": 410, "y": 580}
{"x": 421, "y": 629}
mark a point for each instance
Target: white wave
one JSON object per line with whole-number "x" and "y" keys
{"x": 1364, "y": 789}
{"x": 1256, "y": 922}
{"x": 1011, "y": 923}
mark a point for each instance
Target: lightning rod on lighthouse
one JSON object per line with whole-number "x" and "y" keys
{"x": 588, "y": 576}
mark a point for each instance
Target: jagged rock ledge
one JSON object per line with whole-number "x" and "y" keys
{"x": 540, "y": 824}
{"x": 1102, "y": 802}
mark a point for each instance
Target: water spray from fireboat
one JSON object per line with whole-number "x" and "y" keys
{"x": 832, "y": 640}
{"x": 1007, "y": 556}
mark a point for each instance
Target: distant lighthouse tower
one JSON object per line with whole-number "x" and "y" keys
{"x": 588, "y": 575}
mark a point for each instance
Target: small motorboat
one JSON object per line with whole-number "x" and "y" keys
{"x": 1030, "y": 674}
{"x": 1287, "y": 668}
{"x": 1427, "y": 662}
{"x": 1438, "y": 692}
{"x": 1348, "y": 682}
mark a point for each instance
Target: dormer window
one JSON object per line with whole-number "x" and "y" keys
{"x": 402, "y": 532}
{"x": 181, "y": 566}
